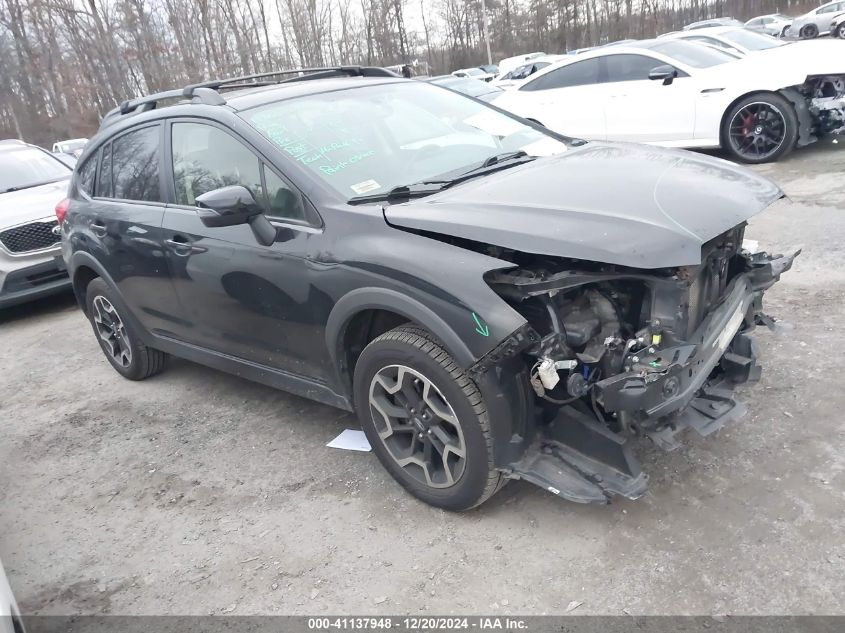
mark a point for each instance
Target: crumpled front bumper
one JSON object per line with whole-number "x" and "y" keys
{"x": 690, "y": 385}
{"x": 668, "y": 390}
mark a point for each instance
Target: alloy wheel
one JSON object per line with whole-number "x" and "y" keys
{"x": 757, "y": 130}
{"x": 418, "y": 426}
{"x": 112, "y": 332}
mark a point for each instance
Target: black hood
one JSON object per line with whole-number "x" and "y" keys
{"x": 625, "y": 204}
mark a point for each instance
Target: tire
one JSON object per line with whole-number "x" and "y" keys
{"x": 809, "y": 32}
{"x": 743, "y": 121}
{"x": 119, "y": 341}
{"x": 784, "y": 31}
{"x": 411, "y": 357}
{"x": 840, "y": 31}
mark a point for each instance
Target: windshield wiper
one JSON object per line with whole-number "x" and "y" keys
{"x": 428, "y": 187}
{"x": 498, "y": 158}
{"x": 404, "y": 192}
{"x": 30, "y": 186}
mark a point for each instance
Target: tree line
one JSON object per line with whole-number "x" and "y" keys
{"x": 64, "y": 63}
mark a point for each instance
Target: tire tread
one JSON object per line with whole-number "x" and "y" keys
{"x": 427, "y": 343}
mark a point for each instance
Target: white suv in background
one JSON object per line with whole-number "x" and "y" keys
{"x": 32, "y": 182}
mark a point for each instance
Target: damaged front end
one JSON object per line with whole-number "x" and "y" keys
{"x": 820, "y": 105}
{"x": 615, "y": 353}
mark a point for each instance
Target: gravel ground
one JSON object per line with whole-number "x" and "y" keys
{"x": 196, "y": 492}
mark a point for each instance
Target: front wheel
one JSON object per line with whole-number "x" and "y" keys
{"x": 840, "y": 31}
{"x": 809, "y": 32}
{"x": 425, "y": 419}
{"x": 761, "y": 128}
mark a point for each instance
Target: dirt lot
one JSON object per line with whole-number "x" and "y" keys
{"x": 196, "y": 492}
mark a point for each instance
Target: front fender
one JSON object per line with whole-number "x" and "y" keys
{"x": 386, "y": 299}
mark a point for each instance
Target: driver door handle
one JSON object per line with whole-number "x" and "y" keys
{"x": 180, "y": 245}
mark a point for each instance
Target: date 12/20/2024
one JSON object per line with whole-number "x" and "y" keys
{"x": 427, "y": 623}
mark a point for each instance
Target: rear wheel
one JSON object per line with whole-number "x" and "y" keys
{"x": 840, "y": 31}
{"x": 120, "y": 343}
{"x": 425, "y": 419}
{"x": 761, "y": 128}
{"x": 809, "y": 31}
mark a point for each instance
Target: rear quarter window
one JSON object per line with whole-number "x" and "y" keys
{"x": 135, "y": 165}
{"x": 85, "y": 175}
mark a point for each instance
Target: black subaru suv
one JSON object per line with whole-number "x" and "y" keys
{"x": 493, "y": 300}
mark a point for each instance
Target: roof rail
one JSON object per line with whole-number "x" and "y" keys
{"x": 300, "y": 74}
{"x": 207, "y": 92}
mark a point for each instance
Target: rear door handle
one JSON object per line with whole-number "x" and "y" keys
{"x": 180, "y": 245}
{"x": 98, "y": 228}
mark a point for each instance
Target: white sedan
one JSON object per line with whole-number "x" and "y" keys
{"x": 681, "y": 94}
{"x": 473, "y": 73}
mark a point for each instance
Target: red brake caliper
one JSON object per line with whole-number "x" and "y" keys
{"x": 747, "y": 123}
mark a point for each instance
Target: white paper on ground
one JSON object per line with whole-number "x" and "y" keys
{"x": 750, "y": 245}
{"x": 350, "y": 440}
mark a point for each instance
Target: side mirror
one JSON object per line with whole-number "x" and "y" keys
{"x": 663, "y": 73}
{"x": 227, "y": 206}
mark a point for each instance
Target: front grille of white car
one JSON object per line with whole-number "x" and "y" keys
{"x": 26, "y": 238}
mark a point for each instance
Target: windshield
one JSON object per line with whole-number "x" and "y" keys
{"x": 29, "y": 167}
{"x": 692, "y": 54}
{"x": 370, "y": 140}
{"x": 751, "y": 40}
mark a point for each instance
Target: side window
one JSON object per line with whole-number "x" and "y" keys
{"x": 85, "y": 176}
{"x": 577, "y": 74}
{"x": 756, "y": 22}
{"x": 207, "y": 158}
{"x": 104, "y": 188}
{"x": 629, "y": 67}
{"x": 282, "y": 201}
{"x": 135, "y": 165}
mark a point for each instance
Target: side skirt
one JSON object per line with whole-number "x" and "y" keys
{"x": 297, "y": 385}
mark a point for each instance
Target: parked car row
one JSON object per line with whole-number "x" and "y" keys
{"x": 823, "y": 20}
{"x": 828, "y": 19}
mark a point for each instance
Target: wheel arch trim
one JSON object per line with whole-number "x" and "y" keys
{"x": 371, "y": 298}
{"x": 83, "y": 258}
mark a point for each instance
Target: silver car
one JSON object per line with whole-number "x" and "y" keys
{"x": 816, "y": 22}
{"x": 774, "y": 24}
{"x": 32, "y": 182}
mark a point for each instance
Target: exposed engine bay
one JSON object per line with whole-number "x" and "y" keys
{"x": 624, "y": 352}
{"x": 825, "y": 98}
